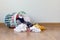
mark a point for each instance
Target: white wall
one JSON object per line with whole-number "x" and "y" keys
{"x": 39, "y": 10}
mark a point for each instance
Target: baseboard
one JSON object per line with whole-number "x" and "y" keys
{"x": 40, "y": 23}
{"x": 45, "y": 24}
{"x": 49, "y": 23}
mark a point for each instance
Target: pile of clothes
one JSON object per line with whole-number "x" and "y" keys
{"x": 24, "y": 24}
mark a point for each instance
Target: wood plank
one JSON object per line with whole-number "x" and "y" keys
{"x": 52, "y": 33}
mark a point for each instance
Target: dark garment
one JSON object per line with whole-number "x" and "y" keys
{"x": 21, "y": 20}
{"x": 29, "y": 24}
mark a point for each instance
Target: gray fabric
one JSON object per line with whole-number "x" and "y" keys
{"x": 18, "y": 22}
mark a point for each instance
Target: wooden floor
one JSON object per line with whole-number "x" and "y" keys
{"x": 52, "y": 33}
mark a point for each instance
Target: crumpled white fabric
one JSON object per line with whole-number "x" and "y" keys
{"x": 21, "y": 27}
{"x": 34, "y": 29}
